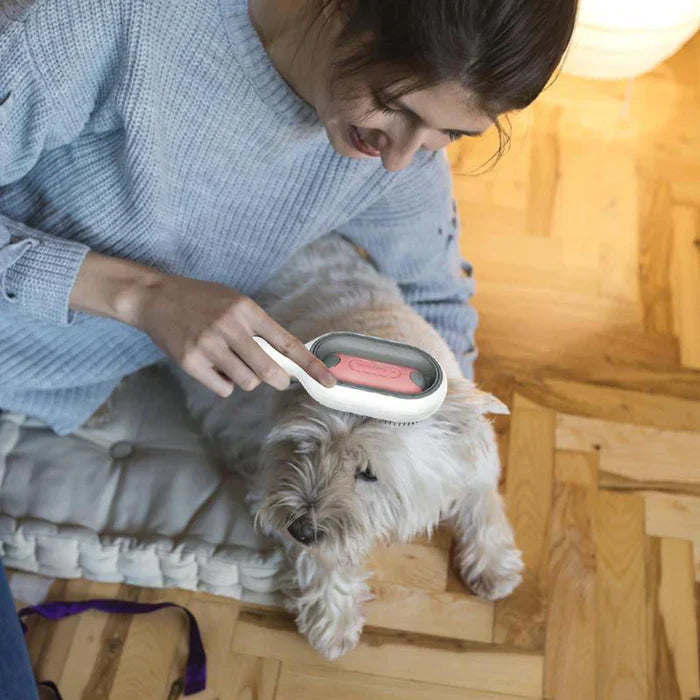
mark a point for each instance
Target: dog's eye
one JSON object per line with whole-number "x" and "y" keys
{"x": 366, "y": 475}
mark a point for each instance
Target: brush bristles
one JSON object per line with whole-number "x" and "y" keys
{"x": 397, "y": 424}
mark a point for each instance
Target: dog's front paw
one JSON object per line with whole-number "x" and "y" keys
{"x": 327, "y": 603}
{"x": 496, "y": 578}
{"x": 334, "y": 638}
{"x": 332, "y": 633}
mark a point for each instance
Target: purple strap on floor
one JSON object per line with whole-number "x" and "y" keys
{"x": 196, "y": 667}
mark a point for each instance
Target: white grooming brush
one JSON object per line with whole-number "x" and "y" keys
{"x": 377, "y": 378}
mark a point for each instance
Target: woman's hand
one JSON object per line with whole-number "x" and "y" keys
{"x": 205, "y": 327}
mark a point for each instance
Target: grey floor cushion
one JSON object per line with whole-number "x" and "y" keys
{"x": 141, "y": 498}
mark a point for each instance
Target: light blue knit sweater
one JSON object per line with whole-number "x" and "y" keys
{"x": 159, "y": 131}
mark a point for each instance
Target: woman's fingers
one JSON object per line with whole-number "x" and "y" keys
{"x": 227, "y": 362}
{"x": 293, "y": 348}
{"x": 265, "y": 368}
{"x": 197, "y": 366}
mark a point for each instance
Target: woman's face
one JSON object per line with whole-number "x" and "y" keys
{"x": 369, "y": 125}
{"x": 360, "y": 122}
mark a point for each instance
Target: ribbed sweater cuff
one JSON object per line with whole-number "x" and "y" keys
{"x": 38, "y": 271}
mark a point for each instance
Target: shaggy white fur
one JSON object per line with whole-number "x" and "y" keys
{"x": 340, "y": 482}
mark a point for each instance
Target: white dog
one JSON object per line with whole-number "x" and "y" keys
{"x": 329, "y": 485}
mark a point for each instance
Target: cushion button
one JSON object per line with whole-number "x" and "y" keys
{"x": 121, "y": 450}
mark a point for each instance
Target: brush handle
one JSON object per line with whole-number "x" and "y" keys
{"x": 289, "y": 366}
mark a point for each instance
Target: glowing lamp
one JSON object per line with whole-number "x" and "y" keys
{"x": 625, "y": 38}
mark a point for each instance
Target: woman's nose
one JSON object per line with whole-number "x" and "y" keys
{"x": 399, "y": 152}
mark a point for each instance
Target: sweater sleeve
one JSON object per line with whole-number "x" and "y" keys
{"x": 37, "y": 270}
{"x": 411, "y": 233}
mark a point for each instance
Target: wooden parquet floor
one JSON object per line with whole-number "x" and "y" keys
{"x": 586, "y": 244}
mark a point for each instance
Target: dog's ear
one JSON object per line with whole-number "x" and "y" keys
{"x": 463, "y": 393}
{"x": 492, "y": 404}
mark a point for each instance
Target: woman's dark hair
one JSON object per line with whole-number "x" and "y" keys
{"x": 502, "y": 51}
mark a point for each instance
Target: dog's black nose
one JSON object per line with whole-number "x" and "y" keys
{"x": 302, "y": 530}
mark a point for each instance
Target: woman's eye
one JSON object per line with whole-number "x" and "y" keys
{"x": 366, "y": 475}
{"x": 382, "y": 106}
{"x": 454, "y": 135}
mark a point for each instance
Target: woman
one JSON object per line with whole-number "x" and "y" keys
{"x": 160, "y": 160}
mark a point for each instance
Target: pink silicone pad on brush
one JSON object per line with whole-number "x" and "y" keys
{"x": 377, "y": 375}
